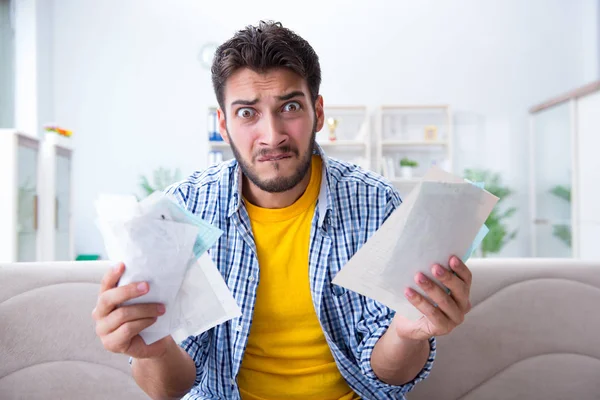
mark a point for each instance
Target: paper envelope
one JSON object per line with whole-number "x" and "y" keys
{"x": 440, "y": 217}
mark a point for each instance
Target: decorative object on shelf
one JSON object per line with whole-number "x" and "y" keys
{"x": 213, "y": 131}
{"x": 498, "y": 235}
{"x": 388, "y": 169}
{"x": 562, "y": 231}
{"x": 162, "y": 178}
{"x": 406, "y": 167}
{"x": 332, "y": 124}
{"x": 58, "y": 130}
{"x": 206, "y": 54}
{"x": 431, "y": 133}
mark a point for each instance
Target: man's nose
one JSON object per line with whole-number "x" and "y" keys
{"x": 272, "y": 131}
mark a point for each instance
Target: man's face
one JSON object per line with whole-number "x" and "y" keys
{"x": 271, "y": 126}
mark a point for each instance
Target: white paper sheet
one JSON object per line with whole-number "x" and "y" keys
{"x": 441, "y": 217}
{"x": 162, "y": 244}
{"x": 204, "y": 300}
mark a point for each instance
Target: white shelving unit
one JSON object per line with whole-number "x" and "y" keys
{"x": 421, "y": 133}
{"x": 352, "y": 136}
{"x": 564, "y": 177}
{"x": 56, "y": 194}
{"x": 19, "y": 202}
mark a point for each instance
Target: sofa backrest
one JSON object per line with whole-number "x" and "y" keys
{"x": 533, "y": 333}
{"x": 48, "y": 346}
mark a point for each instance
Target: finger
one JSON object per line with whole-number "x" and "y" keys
{"x": 461, "y": 270}
{"x": 110, "y": 299}
{"x": 440, "y": 297}
{"x": 120, "y": 340}
{"x": 438, "y": 319}
{"x": 111, "y": 277}
{"x": 109, "y": 281}
{"x": 126, "y": 314}
{"x": 458, "y": 288}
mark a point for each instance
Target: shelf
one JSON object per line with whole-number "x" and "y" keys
{"x": 413, "y": 143}
{"x": 341, "y": 143}
{"x": 213, "y": 144}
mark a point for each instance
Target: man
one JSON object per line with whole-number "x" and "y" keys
{"x": 291, "y": 219}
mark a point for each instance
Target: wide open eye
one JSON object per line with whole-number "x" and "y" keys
{"x": 292, "y": 106}
{"x": 245, "y": 113}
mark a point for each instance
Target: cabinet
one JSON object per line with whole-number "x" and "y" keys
{"x": 56, "y": 194}
{"x": 564, "y": 175}
{"x": 19, "y": 200}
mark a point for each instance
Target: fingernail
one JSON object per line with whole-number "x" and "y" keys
{"x": 438, "y": 271}
{"x": 161, "y": 308}
{"x": 422, "y": 279}
{"x": 142, "y": 287}
{"x": 409, "y": 293}
{"x": 454, "y": 261}
{"x": 117, "y": 267}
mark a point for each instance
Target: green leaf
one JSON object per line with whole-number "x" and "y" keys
{"x": 562, "y": 192}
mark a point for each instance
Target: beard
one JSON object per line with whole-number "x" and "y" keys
{"x": 283, "y": 183}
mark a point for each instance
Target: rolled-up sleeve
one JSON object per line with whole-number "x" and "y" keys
{"x": 376, "y": 322}
{"x": 197, "y": 347}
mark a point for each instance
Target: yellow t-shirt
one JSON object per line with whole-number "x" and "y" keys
{"x": 287, "y": 356}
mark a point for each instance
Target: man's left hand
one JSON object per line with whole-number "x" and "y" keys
{"x": 450, "y": 306}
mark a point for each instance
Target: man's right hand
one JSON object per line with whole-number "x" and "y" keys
{"x": 119, "y": 326}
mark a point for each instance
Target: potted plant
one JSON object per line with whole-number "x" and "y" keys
{"x": 562, "y": 231}
{"x": 162, "y": 179}
{"x": 499, "y": 234}
{"x": 406, "y": 167}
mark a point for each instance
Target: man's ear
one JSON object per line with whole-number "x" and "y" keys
{"x": 320, "y": 113}
{"x": 222, "y": 125}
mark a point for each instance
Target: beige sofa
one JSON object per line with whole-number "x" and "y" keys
{"x": 533, "y": 333}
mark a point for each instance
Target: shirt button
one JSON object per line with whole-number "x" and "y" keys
{"x": 238, "y": 328}
{"x": 251, "y": 278}
{"x": 232, "y": 381}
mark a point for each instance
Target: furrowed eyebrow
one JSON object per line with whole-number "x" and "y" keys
{"x": 245, "y": 102}
{"x": 291, "y": 95}
{"x": 285, "y": 97}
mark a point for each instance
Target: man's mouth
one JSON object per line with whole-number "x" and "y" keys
{"x": 274, "y": 157}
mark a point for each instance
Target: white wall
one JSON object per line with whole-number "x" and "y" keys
{"x": 6, "y": 66}
{"x": 45, "y": 63}
{"x": 591, "y": 39}
{"x": 25, "y": 106}
{"x": 127, "y": 81}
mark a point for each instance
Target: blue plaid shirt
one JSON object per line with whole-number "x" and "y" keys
{"x": 352, "y": 205}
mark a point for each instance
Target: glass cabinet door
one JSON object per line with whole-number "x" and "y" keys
{"x": 27, "y": 204}
{"x": 62, "y": 242}
{"x": 552, "y": 182}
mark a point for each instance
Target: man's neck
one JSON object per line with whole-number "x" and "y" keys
{"x": 264, "y": 199}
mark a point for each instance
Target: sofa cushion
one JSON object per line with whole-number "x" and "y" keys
{"x": 48, "y": 345}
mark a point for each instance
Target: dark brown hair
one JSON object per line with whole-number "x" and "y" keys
{"x": 260, "y": 48}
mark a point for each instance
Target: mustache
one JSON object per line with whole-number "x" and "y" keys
{"x": 277, "y": 151}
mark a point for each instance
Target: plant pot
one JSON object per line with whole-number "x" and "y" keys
{"x": 407, "y": 172}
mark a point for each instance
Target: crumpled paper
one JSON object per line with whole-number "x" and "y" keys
{"x": 163, "y": 244}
